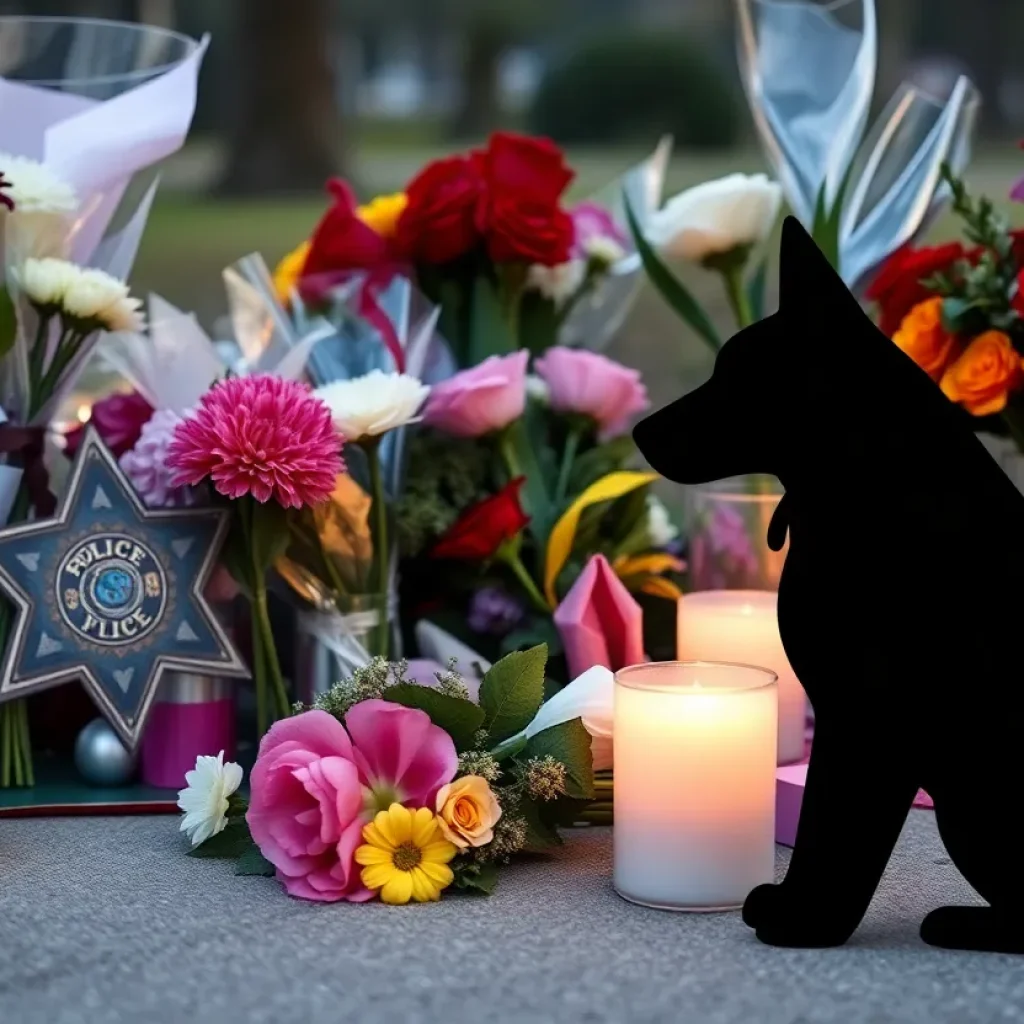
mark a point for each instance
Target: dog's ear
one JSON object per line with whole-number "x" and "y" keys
{"x": 807, "y": 281}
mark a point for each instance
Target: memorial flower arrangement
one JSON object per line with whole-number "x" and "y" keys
{"x": 957, "y": 310}
{"x": 389, "y": 789}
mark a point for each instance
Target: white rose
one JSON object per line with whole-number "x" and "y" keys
{"x": 660, "y": 527}
{"x": 591, "y": 698}
{"x": 45, "y": 281}
{"x": 716, "y": 217}
{"x": 97, "y": 296}
{"x": 559, "y": 284}
{"x": 373, "y": 404}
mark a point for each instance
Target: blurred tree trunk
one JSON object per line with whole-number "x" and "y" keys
{"x": 285, "y": 127}
{"x": 483, "y": 46}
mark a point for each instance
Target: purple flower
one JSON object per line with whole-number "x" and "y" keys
{"x": 494, "y": 611}
{"x": 722, "y": 554}
{"x": 146, "y": 467}
{"x": 592, "y": 221}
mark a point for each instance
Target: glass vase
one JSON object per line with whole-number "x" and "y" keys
{"x": 727, "y": 526}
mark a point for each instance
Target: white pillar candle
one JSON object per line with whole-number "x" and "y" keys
{"x": 743, "y": 626}
{"x": 694, "y": 783}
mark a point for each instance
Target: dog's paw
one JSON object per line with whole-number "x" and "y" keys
{"x": 760, "y": 903}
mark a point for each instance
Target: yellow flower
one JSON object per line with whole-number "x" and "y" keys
{"x": 406, "y": 856}
{"x": 467, "y": 811}
{"x": 382, "y": 213}
{"x": 288, "y": 272}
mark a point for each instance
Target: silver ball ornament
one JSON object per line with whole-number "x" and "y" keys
{"x": 101, "y": 758}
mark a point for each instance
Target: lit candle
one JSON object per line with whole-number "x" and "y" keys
{"x": 694, "y": 783}
{"x": 743, "y": 626}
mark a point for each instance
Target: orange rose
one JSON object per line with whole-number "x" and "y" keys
{"x": 923, "y": 338}
{"x": 467, "y": 812}
{"x": 982, "y": 377}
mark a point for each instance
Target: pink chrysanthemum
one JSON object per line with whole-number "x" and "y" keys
{"x": 262, "y": 436}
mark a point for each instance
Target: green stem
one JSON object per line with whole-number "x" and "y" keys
{"x": 732, "y": 276}
{"x": 37, "y": 358}
{"x": 259, "y": 671}
{"x": 271, "y": 663}
{"x": 512, "y": 560}
{"x": 380, "y": 543}
{"x": 507, "y": 450}
{"x": 7, "y": 742}
{"x": 572, "y": 443}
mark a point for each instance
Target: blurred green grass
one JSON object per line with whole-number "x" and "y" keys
{"x": 191, "y": 238}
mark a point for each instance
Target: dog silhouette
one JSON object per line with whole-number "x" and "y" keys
{"x": 901, "y": 603}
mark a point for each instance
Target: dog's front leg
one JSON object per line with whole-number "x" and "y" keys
{"x": 856, "y": 800}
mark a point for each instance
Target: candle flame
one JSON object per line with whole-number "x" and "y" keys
{"x": 84, "y": 413}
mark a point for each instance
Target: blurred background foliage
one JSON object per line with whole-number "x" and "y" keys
{"x": 293, "y": 92}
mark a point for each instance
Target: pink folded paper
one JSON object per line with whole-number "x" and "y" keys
{"x": 790, "y": 780}
{"x": 599, "y": 622}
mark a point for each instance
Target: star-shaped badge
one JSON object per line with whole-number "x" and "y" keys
{"x": 111, "y": 593}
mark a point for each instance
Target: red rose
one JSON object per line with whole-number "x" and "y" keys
{"x": 519, "y": 213}
{"x": 438, "y": 224}
{"x": 897, "y": 287}
{"x": 341, "y": 241}
{"x": 118, "y": 420}
{"x": 481, "y": 530}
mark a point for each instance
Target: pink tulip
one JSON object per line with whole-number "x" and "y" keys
{"x": 315, "y": 785}
{"x": 592, "y": 385}
{"x": 481, "y": 400}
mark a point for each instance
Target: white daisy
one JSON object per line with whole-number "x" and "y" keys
{"x": 35, "y": 188}
{"x": 205, "y": 799}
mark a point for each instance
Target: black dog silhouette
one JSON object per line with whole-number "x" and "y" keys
{"x": 900, "y": 603}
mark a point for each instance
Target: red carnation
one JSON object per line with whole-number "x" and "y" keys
{"x": 438, "y": 224}
{"x": 520, "y": 213}
{"x": 483, "y": 528}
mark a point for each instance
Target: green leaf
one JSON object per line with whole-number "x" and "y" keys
{"x": 757, "y": 290}
{"x": 953, "y": 312}
{"x": 512, "y": 692}
{"x": 599, "y": 461}
{"x": 253, "y": 863}
{"x": 568, "y": 743}
{"x": 490, "y": 331}
{"x": 536, "y": 631}
{"x": 521, "y": 459}
{"x": 538, "y": 323}
{"x": 825, "y": 230}
{"x": 8, "y": 322}
{"x": 271, "y": 532}
{"x": 541, "y": 834}
{"x": 477, "y": 878}
{"x": 509, "y": 748}
{"x": 461, "y": 719}
{"x": 671, "y": 289}
{"x": 229, "y": 844}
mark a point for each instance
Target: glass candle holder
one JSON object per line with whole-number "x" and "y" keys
{"x": 727, "y": 528}
{"x": 694, "y": 783}
{"x": 743, "y": 626}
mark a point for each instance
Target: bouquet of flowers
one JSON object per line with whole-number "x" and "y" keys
{"x": 393, "y": 790}
{"x": 958, "y": 311}
{"x": 487, "y": 239}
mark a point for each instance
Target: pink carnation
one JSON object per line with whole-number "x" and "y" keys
{"x": 316, "y": 783}
{"x": 592, "y": 385}
{"x": 592, "y": 222}
{"x": 481, "y": 400}
{"x": 262, "y": 436}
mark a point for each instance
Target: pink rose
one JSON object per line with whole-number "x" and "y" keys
{"x": 316, "y": 783}
{"x": 592, "y": 385}
{"x": 479, "y": 401}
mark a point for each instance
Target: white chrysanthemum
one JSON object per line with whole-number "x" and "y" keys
{"x": 95, "y": 295}
{"x": 35, "y": 188}
{"x": 660, "y": 528}
{"x": 559, "y": 284}
{"x": 603, "y": 251}
{"x": 45, "y": 281}
{"x": 537, "y": 388}
{"x": 373, "y": 404}
{"x": 205, "y": 799}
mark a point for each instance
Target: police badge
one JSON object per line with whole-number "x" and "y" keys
{"x": 111, "y": 593}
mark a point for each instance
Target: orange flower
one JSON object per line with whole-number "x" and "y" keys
{"x": 982, "y": 377}
{"x": 923, "y": 338}
{"x": 288, "y": 272}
